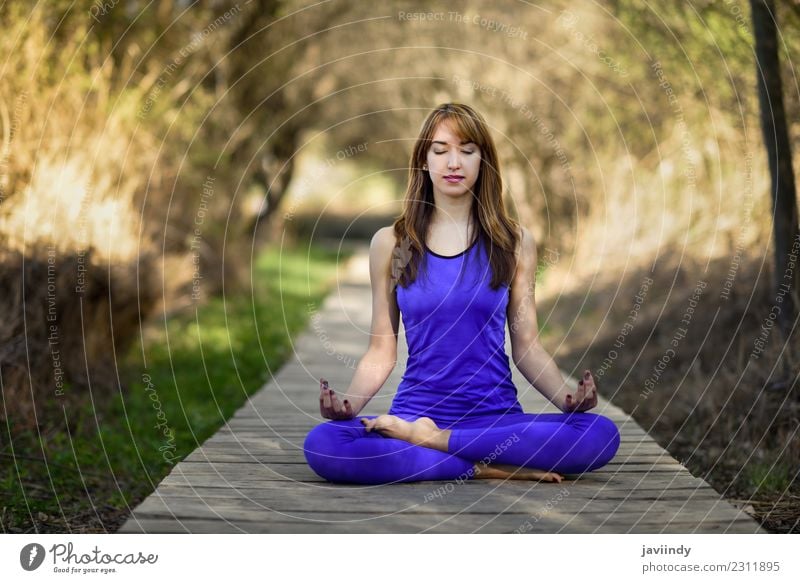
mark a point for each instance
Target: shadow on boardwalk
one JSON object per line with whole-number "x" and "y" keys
{"x": 251, "y": 476}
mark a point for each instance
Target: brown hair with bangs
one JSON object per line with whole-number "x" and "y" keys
{"x": 493, "y": 226}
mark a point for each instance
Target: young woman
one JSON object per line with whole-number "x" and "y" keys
{"x": 459, "y": 269}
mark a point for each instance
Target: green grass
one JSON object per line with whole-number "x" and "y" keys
{"x": 202, "y": 366}
{"x": 768, "y": 478}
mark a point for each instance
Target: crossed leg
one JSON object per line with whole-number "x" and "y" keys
{"x": 387, "y": 449}
{"x": 424, "y": 431}
{"x": 571, "y": 443}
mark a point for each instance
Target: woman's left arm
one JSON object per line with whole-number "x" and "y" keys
{"x": 532, "y": 360}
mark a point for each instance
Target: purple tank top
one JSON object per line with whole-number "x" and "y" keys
{"x": 455, "y": 330}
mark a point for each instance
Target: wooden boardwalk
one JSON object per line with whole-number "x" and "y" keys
{"x": 252, "y": 477}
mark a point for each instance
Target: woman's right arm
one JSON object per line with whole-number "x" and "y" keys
{"x": 381, "y": 356}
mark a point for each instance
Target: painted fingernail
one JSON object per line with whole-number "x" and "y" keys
{"x": 580, "y": 382}
{"x": 586, "y": 375}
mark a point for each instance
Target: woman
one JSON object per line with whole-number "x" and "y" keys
{"x": 458, "y": 268}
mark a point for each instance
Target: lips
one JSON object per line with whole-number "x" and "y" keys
{"x": 453, "y": 178}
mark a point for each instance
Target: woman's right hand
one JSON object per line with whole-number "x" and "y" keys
{"x": 329, "y": 405}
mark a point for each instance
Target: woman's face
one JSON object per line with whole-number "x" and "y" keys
{"x": 453, "y": 166}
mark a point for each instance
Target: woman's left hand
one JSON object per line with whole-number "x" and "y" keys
{"x": 586, "y": 395}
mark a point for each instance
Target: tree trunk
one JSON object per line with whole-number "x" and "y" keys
{"x": 776, "y": 140}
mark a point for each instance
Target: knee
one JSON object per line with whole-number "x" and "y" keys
{"x": 319, "y": 448}
{"x": 607, "y": 438}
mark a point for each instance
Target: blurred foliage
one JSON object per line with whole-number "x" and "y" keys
{"x": 108, "y": 451}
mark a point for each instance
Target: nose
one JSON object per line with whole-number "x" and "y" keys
{"x": 453, "y": 163}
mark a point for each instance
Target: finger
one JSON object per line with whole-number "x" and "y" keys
{"x": 335, "y": 404}
{"x": 322, "y": 410}
{"x": 347, "y": 408}
{"x": 589, "y": 386}
{"x": 587, "y": 390}
{"x": 326, "y": 395}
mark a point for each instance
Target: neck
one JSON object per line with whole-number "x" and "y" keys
{"x": 450, "y": 211}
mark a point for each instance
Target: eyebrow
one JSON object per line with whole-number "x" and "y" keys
{"x": 445, "y": 143}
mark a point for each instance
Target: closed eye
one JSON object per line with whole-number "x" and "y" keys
{"x": 462, "y": 151}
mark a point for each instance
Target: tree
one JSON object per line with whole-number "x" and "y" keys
{"x": 776, "y": 140}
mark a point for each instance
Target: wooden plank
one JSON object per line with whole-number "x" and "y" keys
{"x": 276, "y": 492}
{"x": 449, "y": 505}
{"x": 299, "y": 469}
{"x": 509, "y": 518}
{"x": 212, "y": 478}
{"x": 379, "y": 506}
{"x": 203, "y": 526}
{"x": 424, "y": 491}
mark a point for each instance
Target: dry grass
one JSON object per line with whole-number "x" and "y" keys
{"x": 710, "y": 404}
{"x": 88, "y": 244}
{"x": 729, "y": 412}
{"x": 59, "y": 344}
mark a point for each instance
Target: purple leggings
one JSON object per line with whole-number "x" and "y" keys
{"x": 572, "y": 443}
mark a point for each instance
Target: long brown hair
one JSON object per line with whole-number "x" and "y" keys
{"x": 493, "y": 226}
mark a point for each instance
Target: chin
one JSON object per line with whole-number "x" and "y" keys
{"x": 454, "y": 192}
{"x": 460, "y": 186}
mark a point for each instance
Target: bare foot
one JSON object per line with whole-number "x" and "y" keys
{"x": 422, "y": 431}
{"x": 504, "y": 471}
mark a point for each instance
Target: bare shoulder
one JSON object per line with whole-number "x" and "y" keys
{"x": 380, "y": 254}
{"x": 384, "y": 237}
{"x": 382, "y": 244}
